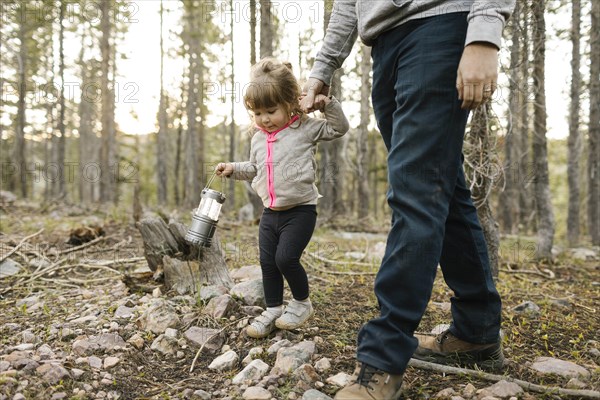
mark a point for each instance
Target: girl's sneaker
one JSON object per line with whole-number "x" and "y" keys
{"x": 296, "y": 313}
{"x": 262, "y": 325}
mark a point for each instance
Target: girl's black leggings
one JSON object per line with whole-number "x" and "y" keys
{"x": 282, "y": 237}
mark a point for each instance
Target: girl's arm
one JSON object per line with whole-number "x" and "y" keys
{"x": 335, "y": 123}
{"x": 242, "y": 171}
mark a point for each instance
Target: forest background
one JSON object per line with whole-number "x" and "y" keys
{"x": 131, "y": 104}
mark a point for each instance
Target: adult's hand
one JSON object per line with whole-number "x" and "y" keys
{"x": 477, "y": 75}
{"x": 309, "y": 101}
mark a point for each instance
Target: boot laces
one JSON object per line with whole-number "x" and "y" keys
{"x": 366, "y": 375}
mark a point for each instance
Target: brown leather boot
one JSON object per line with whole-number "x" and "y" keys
{"x": 370, "y": 383}
{"x": 446, "y": 348}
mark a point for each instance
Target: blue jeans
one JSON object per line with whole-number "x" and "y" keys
{"x": 433, "y": 218}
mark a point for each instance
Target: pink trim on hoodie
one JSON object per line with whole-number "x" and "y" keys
{"x": 270, "y": 174}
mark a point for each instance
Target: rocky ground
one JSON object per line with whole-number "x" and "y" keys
{"x": 89, "y": 322}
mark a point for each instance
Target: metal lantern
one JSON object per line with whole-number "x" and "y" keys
{"x": 205, "y": 218}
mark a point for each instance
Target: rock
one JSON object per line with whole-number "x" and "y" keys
{"x": 159, "y": 316}
{"x": 252, "y": 354}
{"x": 469, "y": 391}
{"x": 9, "y": 267}
{"x": 314, "y": 394}
{"x": 441, "y": 328}
{"x": 575, "y": 383}
{"x": 208, "y": 292}
{"x": 504, "y": 389}
{"x": 108, "y": 341}
{"x": 278, "y": 345}
{"x": 172, "y": 333}
{"x": 444, "y": 393}
{"x": 219, "y": 306}
{"x": 250, "y": 292}
{"x": 225, "y": 361}
{"x": 200, "y": 336}
{"x": 95, "y": 362}
{"x": 290, "y": 358}
{"x": 307, "y": 373}
{"x": 136, "y": 341}
{"x": 323, "y": 365}
{"x": 58, "y": 396}
{"x": 84, "y": 320}
{"x": 246, "y": 213}
{"x": 253, "y": 371}
{"x": 595, "y": 354}
{"x": 201, "y": 395}
{"x": 124, "y": 312}
{"x": 566, "y": 369}
{"x": 76, "y": 373}
{"x": 4, "y": 365}
{"x": 246, "y": 273}
{"x": 24, "y": 347}
{"x": 165, "y": 344}
{"x": 584, "y": 254}
{"x": 256, "y": 393}
{"x": 7, "y": 197}
{"x": 110, "y": 362}
{"x": 340, "y": 380}
{"x": 53, "y": 373}
{"x": 527, "y": 308}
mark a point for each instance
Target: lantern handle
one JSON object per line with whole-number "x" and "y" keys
{"x": 212, "y": 178}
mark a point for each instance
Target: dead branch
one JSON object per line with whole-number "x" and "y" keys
{"x": 90, "y": 243}
{"x": 211, "y": 338}
{"x": 351, "y": 273}
{"x": 446, "y": 369}
{"x": 335, "y": 262}
{"x": 548, "y": 274}
{"x": 25, "y": 239}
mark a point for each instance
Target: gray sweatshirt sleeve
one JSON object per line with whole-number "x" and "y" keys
{"x": 334, "y": 125}
{"x": 246, "y": 170}
{"x": 487, "y": 19}
{"x": 340, "y": 37}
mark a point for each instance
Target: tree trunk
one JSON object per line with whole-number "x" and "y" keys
{"x": 545, "y": 216}
{"x": 252, "y": 32}
{"x": 594, "y": 128}
{"x": 266, "y": 29}
{"x": 186, "y": 267}
{"x": 574, "y": 141}
{"x": 362, "y": 148}
{"x": 192, "y": 183}
{"x": 509, "y": 198}
{"x": 232, "y": 136}
{"x": 525, "y": 167}
{"x": 108, "y": 179}
{"x": 482, "y": 154}
{"x": 88, "y": 142}
{"x": 177, "y": 166}
{"x": 162, "y": 151}
{"x": 19, "y": 181}
{"x": 60, "y": 183}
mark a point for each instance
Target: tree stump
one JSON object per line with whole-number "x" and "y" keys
{"x": 186, "y": 267}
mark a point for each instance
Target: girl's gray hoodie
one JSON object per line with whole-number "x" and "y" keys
{"x": 282, "y": 164}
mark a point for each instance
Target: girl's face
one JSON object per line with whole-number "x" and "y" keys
{"x": 271, "y": 119}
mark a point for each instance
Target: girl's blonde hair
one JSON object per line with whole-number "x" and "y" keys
{"x": 272, "y": 83}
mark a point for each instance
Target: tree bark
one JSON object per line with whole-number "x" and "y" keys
{"x": 362, "y": 148}
{"x": 60, "y": 184}
{"x": 574, "y": 140}
{"x": 252, "y": 32}
{"x": 266, "y": 29}
{"x": 594, "y": 128}
{"x": 545, "y": 216}
{"x": 19, "y": 181}
{"x": 481, "y": 155}
{"x": 509, "y": 198}
{"x": 162, "y": 140}
{"x": 108, "y": 179}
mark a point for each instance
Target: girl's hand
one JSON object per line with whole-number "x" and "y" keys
{"x": 321, "y": 101}
{"x": 225, "y": 169}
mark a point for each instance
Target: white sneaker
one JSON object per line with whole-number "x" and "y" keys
{"x": 262, "y": 325}
{"x": 296, "y": 313}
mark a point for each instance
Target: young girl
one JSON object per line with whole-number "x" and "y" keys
{"x": 282, "y": 170}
